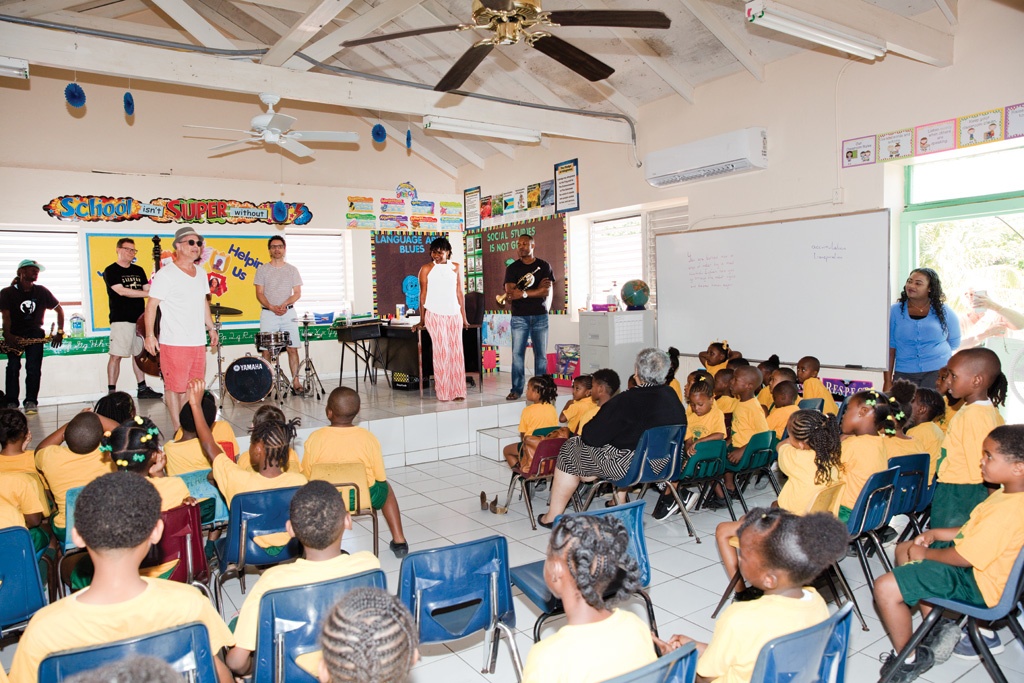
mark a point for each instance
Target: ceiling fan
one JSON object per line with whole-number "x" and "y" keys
{"x": 510, "y": 21}
{"x": 275, "y": 128}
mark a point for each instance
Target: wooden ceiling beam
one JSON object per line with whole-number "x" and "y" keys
{"x": 303, "y": 30}
{"x": 732, "y": 40}
{"x": 194, "y": 23}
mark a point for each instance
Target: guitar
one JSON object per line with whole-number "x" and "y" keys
{"x": 147, "y": 362}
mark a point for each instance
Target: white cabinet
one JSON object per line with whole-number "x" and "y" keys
{"x": 612, "y": 340}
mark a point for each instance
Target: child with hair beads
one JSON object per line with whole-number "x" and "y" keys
{"x": 117, "y": 519}
{"x": 976, "y": 377}
{"x": 767, "y": 367}
{"x": 942, "y": 385}
{"x": 901, "y": 394}
{"x": 724, "y": 398}
{"x": 717, "y": 356}
{"x": 969, "y": 563}
{"x": 747, "y": 420}
{"x": 117, "y": 405}
{"x": 780, "y": 553}
{"x": 581, "y": 408}
{"x": 541, "y": 393}
{"x": 867, "y": 416}
{"x": 343, "y": 442}
{"x": 589, "y": 568}
{"x": 134, "y": 446}
{"x": 784, "y": 396}
{"x": 368, "y": 637}
{"x": 317, "y": 517}
{"x": 673, "y": 368}
{"x": 807, "y": 374}
{"x": 271, "y": 413}
{"x": 925, "y": 409}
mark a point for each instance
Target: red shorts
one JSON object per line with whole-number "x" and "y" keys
{"x": 179, "y": 364}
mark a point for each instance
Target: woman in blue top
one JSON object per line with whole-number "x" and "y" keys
{"x": 923, "y": 331}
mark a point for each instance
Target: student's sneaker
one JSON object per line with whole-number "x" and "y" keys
{"x": 31, "y": 407}
{"x": 965, "y": 648}
{"x": 666, "y": 506}
{"x": 715, "y": 503}
{"x": 690, "y": 500}
{"x": 923, "y": 661}
{"x": 148, "y": 392}
{"x": 943, "y": 639}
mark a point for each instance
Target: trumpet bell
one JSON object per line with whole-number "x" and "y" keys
{"x": 502, "y": 299}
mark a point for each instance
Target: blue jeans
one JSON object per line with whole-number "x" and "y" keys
{"x": 533, "y": 328}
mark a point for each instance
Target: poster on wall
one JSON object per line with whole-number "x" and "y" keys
{"x": 976, "y": 129}
{"x": 1013, "y": 126}
{"x": 567, "y": 186}
{"x": 898, "y": 144}
{"x": 396, "y": 259}
{"x": 935, "y": 137}
{"x": 497, "y": 329}
{"x": 471, "y": 200}
{"x": 497, "y": 248}
{"x": 100, "y": 209}
{"x": 230, "y": 262}
{"x": 859, "y": 151}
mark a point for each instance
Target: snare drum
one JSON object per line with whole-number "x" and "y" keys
{"x": 249, "y": 379}
{"x": 275, "y": 342}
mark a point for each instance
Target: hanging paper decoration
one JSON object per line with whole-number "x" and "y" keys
{"x": 280, "y": 212}
{"x": 74, "y": 94}
{"x": 129, "y": 104}
{"x": 379, "y": 133}
{"x": 408, "y": 138}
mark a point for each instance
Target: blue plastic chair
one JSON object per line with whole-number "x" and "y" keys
{"x": 529, "y": 578}
{"x": 705, "y": 468}
{"x": 842, "y": 409}
{"x": 68, "y": 546}
{"x": 253, "y": 514}
{"x": 657, "y": 458}
{"x": 757, "y": 458}
{"x": 871, "y": 513}
{"x": 1008, "y": 607}
{"x": 678, "y": 666}
{"x": 186, "y": 648}
{"x": 290, "y": 621}
{"x": 21, "y": 588}
{"x": 911, "y": 482}
{"x": 199, "y": 487}
{"x": 791, "y": 658}
{"x": 811, "y": 404}
{"x": 461, "y": 589}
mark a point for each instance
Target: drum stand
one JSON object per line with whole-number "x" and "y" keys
{"x": 282, "y": 385}
{"x": 221, "y": 390}
{"x": 311, "y": 380}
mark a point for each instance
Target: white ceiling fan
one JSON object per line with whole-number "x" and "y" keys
{"x": 275, "y": 128}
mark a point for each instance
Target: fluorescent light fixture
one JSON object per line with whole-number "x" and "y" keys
{"x": 488, "y": 130}
{"x": 814, "y": 29}
{"x": 13, "y": 67}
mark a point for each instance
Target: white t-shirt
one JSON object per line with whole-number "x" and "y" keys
{"x": 278, "y": 281}
{"x": 182, "y": 304}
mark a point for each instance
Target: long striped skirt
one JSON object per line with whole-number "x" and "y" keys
{"x": 582, "y": 460}
{"x": 449, "y": 365}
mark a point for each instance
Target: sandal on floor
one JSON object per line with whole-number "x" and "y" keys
{"x": 497, "y": 509}
{"x": 483, "y": 500}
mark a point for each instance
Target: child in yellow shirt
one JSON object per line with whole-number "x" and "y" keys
{"x": 717, "y": 357}
{"x": 867, "y": 416}
{"x": 541, "y": 393}
{"x": 926, "y": 408}
{"x": 14, "y": 456}
{"x": 724, "y": 398}
{"x": 579, "y": 411}
{"x": 271, "y": 413}
{"x": 673, "y": 368}
{"x": 970, "y": 563}
{"x": 317, "y": 517}
{"x": 343, "y": 442}
{"x": 951, "y": 405}
{"x": 185, "y": 453}
{"x": 18, "y": 492}
{"x": 784, "y": 396}
{"x": 747, "y": 420}
{"x": 135, "y": 447}
{"x": 807, "y": 374}
{"x": 766, "y": 368}
{"x": 901, "y": 395}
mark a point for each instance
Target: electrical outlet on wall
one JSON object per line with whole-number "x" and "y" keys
{"x": 837, "y": 195}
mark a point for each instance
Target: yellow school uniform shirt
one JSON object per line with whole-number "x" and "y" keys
{"x": 580, "y": 413}
{"x": 727, "y": 404}
{"x": 172, "y": 490}
{"x": 948, "y": 415}
{"x": 862, "y": 456}
{"x": 744, "y": 628}
{"x": 70, "y": 623}
{"x": 342, "y": 445}
{"x": 747, "y": 419}
{"x": 296, "y": 573}
{"x": 184, "y": 457}
{"x": 588, "y": 653}
{"x": 537, "y": 416}
{"x": 991, "y": 540}
{"x": 293, "y": 461}
{"x": 36, "y": 484}
{"x": 232, "y": 479}
{"x": 929, "y": 435}
{"x": 23, "y": 462}
{"x": 222, "y": 431}
{"x": 799, "y": 490}
{"x": 815, "y": 388}
{"x": 678, "y": 388}
{"x": 65, "y": 470}
{"x": 699, "y": 426}
{"x": 764, "y": 397}
{"x": 895, "y": 447}
{"x": 713, "y": 369}
{"x": 19, "y": 490}
{"x": 960, "y": 460}
{"x": 779, "y": 418}
{"x": 10, "y": 516}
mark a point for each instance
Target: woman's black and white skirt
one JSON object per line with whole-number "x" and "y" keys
{"x": 583, "y": 460}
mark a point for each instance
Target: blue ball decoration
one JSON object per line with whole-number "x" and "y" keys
{"x": 280, "y": 212}
{"x": 408, "y": 138}
{"x": 74, "y": 94}
{"x": 129, "y": 104}
{"x": 379, "y": 133}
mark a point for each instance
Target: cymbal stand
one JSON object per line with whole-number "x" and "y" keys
{"x": 221, "y": 389}
{"x": 282, "y": 385}
{"x": 310, "y": 379}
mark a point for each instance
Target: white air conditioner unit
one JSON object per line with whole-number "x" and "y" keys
{"x": 726, "y": 154}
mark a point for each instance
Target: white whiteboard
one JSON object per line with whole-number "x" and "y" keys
{"x": 810, "y": 287}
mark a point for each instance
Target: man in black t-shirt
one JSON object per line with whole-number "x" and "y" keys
{"x": 127, "y": 287}
{"x": 23, "y": 306}
{"x": 528, "y": 288}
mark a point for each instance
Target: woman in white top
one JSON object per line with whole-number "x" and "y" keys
{"x": 444, "y": 315}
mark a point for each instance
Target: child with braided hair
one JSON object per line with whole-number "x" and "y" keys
{"x": 271, "y": 413}
{"x": 20, "y": 483}
{"x": 901, "y": 394}
{"x": 867, "y": 416}
{"x": 185, "y": 452}
{"x": 134, "y": 446}
{"x": 117, "y": 405}
{"x": 589, "y": 568}
{"x": 368, "y": 637}
{"x": 942, "y": 385}
{"x": 673, "y": 368}
{"x": 541, "y": 393}
{"x": 717, "y": 357}
{"x": 926, "y": 410}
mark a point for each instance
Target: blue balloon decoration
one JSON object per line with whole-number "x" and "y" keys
{"x": 129, "y": 104}
{"x": 280, "y": 212}
{"x": 408, "y": 138}
{"x": 379, "y": 133}
{"x": 74, "y": 94}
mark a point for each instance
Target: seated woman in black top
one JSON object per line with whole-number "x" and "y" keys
{"x": 605, "y": 447}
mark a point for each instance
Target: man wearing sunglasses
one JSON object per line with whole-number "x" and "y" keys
{"x": 127, "y": 289}
{"x": 180, "y": 290}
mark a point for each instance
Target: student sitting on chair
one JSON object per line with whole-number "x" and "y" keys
{"x": 717, "y": 357}
{"x": 117, "y": 405}
{"x": 767, "y": 368}
{"x": 578, "y": 411}
{"x": 747, "y": 420}
{"x": 343, "y": 442}
{"x": 271, "y": 413}
{"x": 784, "y": 396}
{"x": 15, "y": 437}
{"x": 117, "y": 519}
{"x": 901, "y": 393}
{"x": 969, "y": 563}
{"x": 19, "y": 494}
{"x": 318, "y": 518}
{"x": 866, "y": 418}
{"x": 368, "y": 637}
{"x": 185, "y": 453}
{"x": 724, "y": 398}
{"x": 926, "y": 410}
{"x": 135, "y": 447}
{"x": 540, "y": 413}
{"x": 807, "y": 374}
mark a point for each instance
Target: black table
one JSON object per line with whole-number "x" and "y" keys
{"x": 359, "y": 339}
{"x": 410, "y": 350}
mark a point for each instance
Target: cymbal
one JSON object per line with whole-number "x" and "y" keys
{"x": 217, "y": 309}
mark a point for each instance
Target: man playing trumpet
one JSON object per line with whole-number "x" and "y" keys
{"x": 528, "y": 291}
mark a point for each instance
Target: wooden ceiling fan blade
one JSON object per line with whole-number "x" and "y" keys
{"x": 591, "y": 68}
{"x": 467, "y": 63}
{"x": 621, "y": 18}
{"x": 498, "y": 5}
{"x": 404, "y": 34}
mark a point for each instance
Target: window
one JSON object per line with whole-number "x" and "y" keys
{"x": 320, "y": 259}
{"x": 616, "y": 255}
{"x": 978, "y": 175}
{"x": 58, "y": 252}
{"x": 662, "y": 221}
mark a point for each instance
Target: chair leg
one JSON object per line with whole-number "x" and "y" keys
{"x": 728, "y": 498}
{"x": 864, "y": 565}
{"x": 682, "y": 508}
{"x": 739, "y": 494}
{"x": 517, "y": 661}
{"x": 375, "y": 521}
{"x": 880, "y": 549}
{"x": 590, "y": 496}
{"x": 538, "y": 625}
{"x": 919, "y": 635}
{"x": 774, "y": 481}
{"x": 1015, "y": 626}
{"x": 650, "y": 611}
{"x": 994, "y": 672}
{"x": 529, "y": 504}
{"x": 725, "y": 595}
{"x": 849, "y": 594}
{"x": 511, "y": 489}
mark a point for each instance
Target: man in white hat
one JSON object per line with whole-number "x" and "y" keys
{"x": 180, "y": 290}
{"x": 23, "y": 305}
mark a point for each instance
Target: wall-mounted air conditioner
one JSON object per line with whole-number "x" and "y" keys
{"x": 721, "y": 155}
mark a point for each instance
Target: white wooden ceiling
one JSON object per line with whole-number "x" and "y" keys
{"x": 709, "y": 39}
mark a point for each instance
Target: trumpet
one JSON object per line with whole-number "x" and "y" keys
{"x": 522, "y": 284}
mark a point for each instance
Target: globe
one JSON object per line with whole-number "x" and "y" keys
{"x": 636, "y": 294}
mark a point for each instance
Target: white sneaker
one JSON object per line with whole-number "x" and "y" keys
{"x": 690, "y": 500}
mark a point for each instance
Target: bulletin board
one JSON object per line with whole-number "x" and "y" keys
{"x": 497, "y": 249}
{"x": 396, "y": 261}
{"x": 230, "y": 262}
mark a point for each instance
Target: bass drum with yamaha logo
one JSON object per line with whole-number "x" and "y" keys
{"x": 249, "y": 379}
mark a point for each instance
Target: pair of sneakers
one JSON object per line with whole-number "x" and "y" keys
{"x": 945, "y": 640}
{"x": 667, "y": 505}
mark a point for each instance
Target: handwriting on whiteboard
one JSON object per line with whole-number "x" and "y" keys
{"x": 827, "y": 251}
{"x": 711, "y": 271}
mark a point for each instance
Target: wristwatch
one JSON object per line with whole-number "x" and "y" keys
{"x": 524, "y": 294}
